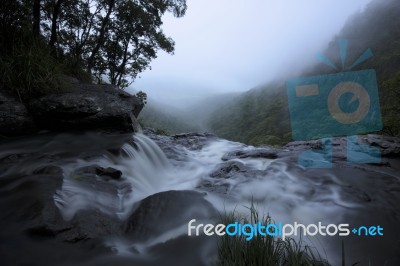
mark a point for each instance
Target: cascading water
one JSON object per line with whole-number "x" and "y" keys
{"x": 278, "y": 187}
{"x": 281, "y": 192}
{"x": 146, "y": 170}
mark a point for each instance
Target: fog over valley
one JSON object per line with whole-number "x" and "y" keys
{"x": 233, "y": 46}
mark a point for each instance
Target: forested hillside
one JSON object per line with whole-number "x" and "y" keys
{"x": 261, "y": 116}
{"x": 170, "y": 120}
{"x": 258, "y": 116}
{"x": 165, "y": 119}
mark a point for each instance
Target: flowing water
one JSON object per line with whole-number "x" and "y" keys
{"x": 278, "y": 187}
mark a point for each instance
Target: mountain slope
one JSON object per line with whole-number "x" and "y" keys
{"x": 256, "y": 117}
{"x": 261, "y": 116}
{"x": 172, "y": 120}
{"x": 165, "y": 119}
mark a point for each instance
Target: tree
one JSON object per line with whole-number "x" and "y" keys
{"x": 36, "y": 18}
{"x": 132, "y": 43}
{"x": 142, "y": 96}
{"x": 54, "y": 18}
{"x": 113, "y": 38}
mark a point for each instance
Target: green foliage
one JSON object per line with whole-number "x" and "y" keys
{"x": 391, "y": 108}
{"x": 160, "y": 131}
{"x": 80, "y": 38}
{"x": 142, "y": 96}
{"x": 115, "y": 38}
{"x": 13, "y": 19}
{"x": 74, "y": 69}
{"x": 263, "y": 250}
{"x": 258, "y": 117}
{"x": 266, "y": 139}
{"x": 377, "y": 28}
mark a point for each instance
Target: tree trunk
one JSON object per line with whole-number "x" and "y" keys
{"x": 36, "y": 18}
{"x": 54, "y": 19}
{"x": 100, "y": 39}
{"x": 123, "y": 64}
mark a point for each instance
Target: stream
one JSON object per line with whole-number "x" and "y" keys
{"x": 95, "y": 199}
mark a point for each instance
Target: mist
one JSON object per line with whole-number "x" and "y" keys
{"x": 234, "y": 45}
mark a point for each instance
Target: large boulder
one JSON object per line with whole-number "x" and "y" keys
{"x": 87, "y": 107}
{"x": 33, "y": 230}
{"x": 166, "y": 211}
{"x": 14, "y": 116}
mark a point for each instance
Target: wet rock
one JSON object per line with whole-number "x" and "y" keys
{"x": 176, "y": 146}
{"x": 28, "y": 200}
{"x": 29, "y": 217}
{"x": 193, "y": 251}
{"x": 219, "y": 187}
{"x": 164, "y": 211}
{"x": 228, "y": 175}
{"x": 389, "y": 146}
{"x": 14, "y": 117}
{"x": 106, "y": 173}
{"x": 226, "y": 170}
{"x": 192, "y": 141}
{"x": 88, "y": 224}
{"x": 105, "y": 182}
{"x": 48, "y": 170}
{"x": 192, "y": 134}
{"x": 375, "y": 145}
{"x": 303, "y": 145}
{"x": 109, "y": 171}
{"x": 86, "y": 107}
{"x": 266, "y": 153}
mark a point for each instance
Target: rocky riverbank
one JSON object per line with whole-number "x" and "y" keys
{"x": 81, "y": 107}
{"x": 107, "y": 199}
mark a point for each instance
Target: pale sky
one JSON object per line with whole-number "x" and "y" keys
{"x": 235, "y": 45}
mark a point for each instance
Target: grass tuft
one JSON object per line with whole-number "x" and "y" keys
{"x": 263, "y": 250}
{"x": 30, "y": 69}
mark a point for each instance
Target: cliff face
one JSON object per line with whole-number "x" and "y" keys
{"x": 83, "y": 107}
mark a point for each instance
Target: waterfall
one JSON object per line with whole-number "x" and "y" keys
{"x": 146, "y": 170}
